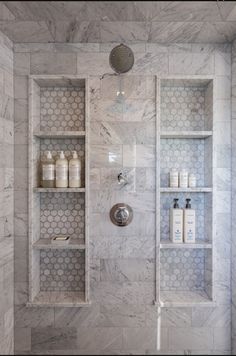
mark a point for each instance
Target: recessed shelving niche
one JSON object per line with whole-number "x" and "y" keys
{"x": 186, "y": 142}
{"x": 58, "y": 121}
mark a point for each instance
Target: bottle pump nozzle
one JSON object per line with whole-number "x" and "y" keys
{"x": 188, "y": 203}
{"x": 176, "y": 205}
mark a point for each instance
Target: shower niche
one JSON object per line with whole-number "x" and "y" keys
{"x": 58, "y": 121}
{"x": 186, "y": 142}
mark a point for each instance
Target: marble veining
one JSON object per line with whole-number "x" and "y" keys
{"x": 122, "y": 317}
{"x": 97, "y": 22}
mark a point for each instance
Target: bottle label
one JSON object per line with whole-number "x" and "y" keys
{"x": 61, "y": 173}
{"x": 74, "y": 173}
{"x": 48, "y": 172}
{"x": 183, "y": 180}
{"x": 174, "y": 179}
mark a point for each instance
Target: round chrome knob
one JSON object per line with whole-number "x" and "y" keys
{"x": 121, "y": 214}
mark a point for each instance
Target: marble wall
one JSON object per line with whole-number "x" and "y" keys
{"x": 233, "y": 196}
{"x": 122, "y": 318}
{"x": 6, "y": 196}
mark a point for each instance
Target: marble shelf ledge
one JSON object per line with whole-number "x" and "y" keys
{"x": 197, "y": 245}
{"x": 59, "y": 190}
{"x": 185, "y": 299}
{"x": 76, "y": 244}
{"x": 186, "y": 190}
{"x": 59, "y": 134}
{"x": 59, "y": 299}
{"x": 185, "y": 134}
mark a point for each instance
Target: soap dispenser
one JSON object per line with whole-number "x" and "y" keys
{"x": 189, "y": 223}
{"x": 75, "y": 171}
{"x": 48, "y": 171}
{"x": 176, "y": 223}
{"x": 61, "y": 171}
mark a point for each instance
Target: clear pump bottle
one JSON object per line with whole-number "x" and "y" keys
{"x": 48, "y": 171}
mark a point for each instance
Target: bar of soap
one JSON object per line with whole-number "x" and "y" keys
{"x": 60, "y": 239}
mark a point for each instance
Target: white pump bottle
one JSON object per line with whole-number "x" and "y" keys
{"x": 61, "y": 171}
{"x": 75, "y": 171}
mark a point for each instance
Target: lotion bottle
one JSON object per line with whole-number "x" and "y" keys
{"x": 174, "y": 178}
{"x": 189, "y": 223}
{"x": 61, "y": 171}
{"x": 48, "y": 171}
{"x": 183, "y": 178}
{"x": 176, "y": 223}
{"x": 75, "y": 171}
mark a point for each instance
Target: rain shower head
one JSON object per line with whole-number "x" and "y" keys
{"x": 121, "y": 59}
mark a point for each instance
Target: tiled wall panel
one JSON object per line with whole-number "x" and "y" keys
{"x": 124, "y": 139}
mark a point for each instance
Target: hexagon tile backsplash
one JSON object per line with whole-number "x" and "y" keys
{"x": 62, "y": 270}
{"x": 62, "y": 109}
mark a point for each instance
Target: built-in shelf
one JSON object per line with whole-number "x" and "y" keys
{"x": 185, "y": 134}
{"x": 50, "y": 213}
{"x": 59, "y": 134}
{"x": 196, "y": 245}
{"x": 59, "y": 190}
{"x": 59, "y": 299}
{"x": 47, "y": 244}
{"x": 184, "y": 299}
{"x": 186, "y": 190}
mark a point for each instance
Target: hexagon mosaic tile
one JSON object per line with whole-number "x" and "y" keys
{"x": 197, "y": 202}
{"x": 182, "y": 153}
{"x": 62, "y": 109}
{"x": 62, "y": 270}
{"x": 182, "y": 270}
{"x": 182, "y": 108}
{"x": 62, "y": 213}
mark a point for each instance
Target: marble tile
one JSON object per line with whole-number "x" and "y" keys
{"x": 191, "y": 63}
{"x": 145, "y": 156}
{"x": 176, "y": 317}
{"x": 124, "y": 31}
{"x": 26, "y": 31}
{"x": 99, "y": 338}
{"x": 22, "y": 63}
{"x": 107, "y": 293}
{"x": 22, "y": 339}
{"x": 178, "y": 11}
{"x": 151, "y": 63}
{"x": 21, "y": 87}
{"x": 138, "y": 293}
{"x": 106, "y": 156}
{"x": 6, "y": 14}
{"x": 219, "y": 317}
{"x": 77, "y": 318}
{"x": 53, "y": 339}
{"x": 222, "y": 63}
{"x": 222, "y": 338}
{"x": 123, "y": 270}
{"x": 53, "y": 63}
{"x": 34, "y": 317}
{"x": 93, "y": 65}
{"x": 122, "y": 316}
{"x": 171, "y": 32}
{"x": 139, "y": 247}
{"x": 139, "y": 338}
{"x": 135, "y": 47}
{"x": 191, "y": 338}
{"x": 75, "y": 31}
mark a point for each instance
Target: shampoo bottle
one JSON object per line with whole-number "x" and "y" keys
{"x": 75, "y": 171}
{"x": 176, "y": 223}
{"x": 189, "y": 223}
{"x": 48, "y": 171}
{"x": 61, "y": 171}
